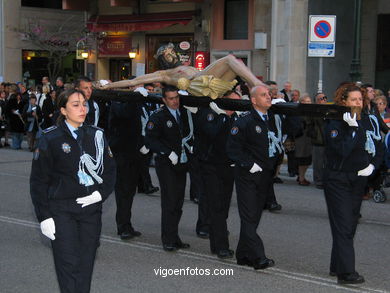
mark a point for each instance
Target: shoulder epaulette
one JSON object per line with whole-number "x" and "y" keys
{"x": 98, "y": 128}
{"x": 158, "y": 110}
{"x": 245, "y": 113}
{"x": 51, "y": 128}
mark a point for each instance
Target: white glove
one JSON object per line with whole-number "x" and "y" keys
{"x": 277, "y": 101}
{"x": 183, "y": 93}
{"x": 191, "y": 109}
{"x": 173, "y": 157}
{"x": 216, "y": 109}
{"x": 350, "y": 120}
{"x": 103, "y": 82}
{"x": 144, "y": 150}
{"x": 48, "y": 228}
{"x": 255, "y": 168}
{"x": 367, "y": 171}
{"x": 89, "y": 199}
{"x": 142, "y": 91}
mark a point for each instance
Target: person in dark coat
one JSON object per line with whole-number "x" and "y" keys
{"x": 353, "y": 150}
{"x": 32, "y": 115}
{"x": 254, "y": 144}
{"x": 16, "y": 122}
{"x": 48, "y": 110}
{"x": 72, "y": 174}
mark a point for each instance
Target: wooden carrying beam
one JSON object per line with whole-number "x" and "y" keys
{"x": 293, "y": 109}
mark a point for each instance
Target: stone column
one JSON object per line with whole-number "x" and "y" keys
{"x": 289, "y": 42}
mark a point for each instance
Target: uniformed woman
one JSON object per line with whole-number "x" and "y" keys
{"x": 73, "y": 172}
{"x": 353, "y": 151}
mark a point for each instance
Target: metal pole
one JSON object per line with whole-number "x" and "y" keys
{"x": 355, "y": 73}
{"x": 321, "y": 62}
{"x": 2, "y": 45}
{"x": 86, "y": 60}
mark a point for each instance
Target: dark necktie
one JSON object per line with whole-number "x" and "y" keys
{"x": 265, "y": 117}
{"x": 178, "y": 117}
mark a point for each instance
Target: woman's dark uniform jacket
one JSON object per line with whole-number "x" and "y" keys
{"x": 56, "y": 163}
{"x": 345, "y": 152}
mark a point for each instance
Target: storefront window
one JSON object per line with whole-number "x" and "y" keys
{"x": 168, "y": 51}
{"x": 236, "y": 20}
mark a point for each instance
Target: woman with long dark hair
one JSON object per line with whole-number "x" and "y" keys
{"x": 73, "y": 172}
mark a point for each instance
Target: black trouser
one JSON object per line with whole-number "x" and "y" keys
{"x": 74, "y": 249}
{"x": 343, "y": 193}
{"x": 127, "y": 172}
{"x": 292, "y": 164}
{"x": 172, "y": 181}
{"x": 197, "y": 190}
{"x": 218, "y": 181}
{"x": 271, "y": 197}
{"x": 144, "y": 180}
{"x": 252, "y": 191}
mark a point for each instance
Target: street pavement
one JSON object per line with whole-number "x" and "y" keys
{"x": 298, "y": 239}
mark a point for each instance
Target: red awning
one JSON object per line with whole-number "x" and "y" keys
{"x": 140, "y": 22}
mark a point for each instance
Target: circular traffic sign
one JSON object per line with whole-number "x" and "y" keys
{"x": 322, "y": 29}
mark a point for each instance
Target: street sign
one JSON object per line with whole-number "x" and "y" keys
{"x": 322, "y": 36}
{"x": 321, "y": 49}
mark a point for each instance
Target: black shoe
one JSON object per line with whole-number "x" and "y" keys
{"x": 277, "y": 180}
{"x": 125, "y": 235}
{"x": 151, "y": 189}
{"x": 225, "y": 253}
{"x": 170, "y": 247}
{"x": 351, "y": 278}
{"x": 320, "y": 186}
{"x": 182, "y": 245}
{"x": 244, "y": 262}
{"x": 203, "y": 234}
{"x": 291, "y": 174}
{"x": 135, "y": 233}
{"x": 274, "y": 207}
{"x": 332, "y": 274}
{"x": 261, "y": 265}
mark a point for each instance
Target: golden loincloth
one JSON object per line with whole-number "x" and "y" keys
{"x": 206, "y": 85}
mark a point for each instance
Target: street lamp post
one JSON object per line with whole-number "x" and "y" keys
{"x": 355, "y": 73}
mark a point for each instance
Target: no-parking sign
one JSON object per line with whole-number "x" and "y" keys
{"x": 322, "y": 36}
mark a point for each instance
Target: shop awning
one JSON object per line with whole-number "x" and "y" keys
{"x": 140, "y": 22}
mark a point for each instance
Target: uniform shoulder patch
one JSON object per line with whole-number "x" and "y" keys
{"x": 334, "y": 133}
{"x": 245, "y": 113}
{"x": 150, "y": 125}
{"x": 51, "y": 128}
{"x": 234, "y": 130}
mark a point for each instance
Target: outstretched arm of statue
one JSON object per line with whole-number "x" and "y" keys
{"x": 228, "y": 67}
{"x": 158, "y": 76}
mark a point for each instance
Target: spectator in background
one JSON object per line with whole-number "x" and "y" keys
{"x": 286, "y": 91}
{"x": 32, "y": 115}
{"x": 59, "y": 88}
{"x": 48, "y": 109}
{"x": 381, "y": 103}
{"x": 3, "y": 123}
{"x": 16, "y": 123}
{"x": 303, "y": 146}
{"x": 44, "y": 95}
{"x": 295, "y": 96}
{"x": 45, "y": 81}
{"x": 24, "y": 93}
